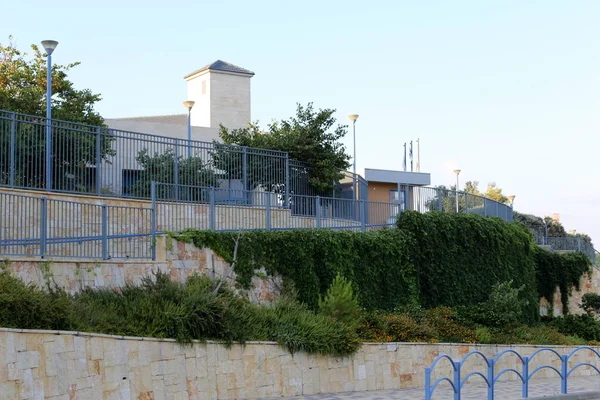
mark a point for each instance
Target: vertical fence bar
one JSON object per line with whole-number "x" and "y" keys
{"x": 268, "y": 211}
{"x": 427, "y": 383}
{"x": 104, "y": 232}
{"x": 99, "y": 161}
{"x": 406, "y": 198}
{"x": 245, "y": 167}
{"x": 176, "y": 169}
{"x": 287, "y": 181}
{"x": 363, "y": 216}
{"x": 490, "y": 377}
{"x": 466, "y": 203}
{"x": 13, "y": 138}
{"x": 441, "y": 202}
{"x": 43, "y": 226}
{"x": 212, "y": 210}
{"x": 153, "y": 220}
{"x": 525, "y": 387}
{"x": 564, "y": 366}
{"x": 456, "y": 380}
{"x": 318, "y": 211}
{"x": 485, "y": 207}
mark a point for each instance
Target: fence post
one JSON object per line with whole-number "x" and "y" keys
{"x": 268, "y": 212}
{"x": 43, "y": 226}
{"x": 456, "y": 380}
{"x": 525, "y": 387}
{"x": 441, "y": 203}
{"x": 287, "y": 180}
{"x": 212, "y": 210}
{"x": 491, "y": 379}
{"x": 564, "y": 367}
{"x": 98, "y": 161}
{"x": 466, "y": 203}
{"x": 427, "y": 383}
{"x": 104, "y": 232}
{"x": 318, "y": 211}
{"x": 48, "y": 154}
{"x": 406, "y": 199}
{"x": 363, "y": 216}
{"x": 176, "y": 169}
{"x": 13, "y": 138}
{"x": 485, "y": 207}
{"x": 245, "y": 167}
{"x": 579, "y": 244}
{"x": 153, "y": 219}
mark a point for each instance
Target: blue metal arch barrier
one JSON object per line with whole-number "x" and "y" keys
{"x": 456, "y": 383}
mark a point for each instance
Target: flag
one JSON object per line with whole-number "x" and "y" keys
{"x": 404, "y": 157}
{"x": 410, "y": 153}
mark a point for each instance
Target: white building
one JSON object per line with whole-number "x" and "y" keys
{"x": 221, "y": 92}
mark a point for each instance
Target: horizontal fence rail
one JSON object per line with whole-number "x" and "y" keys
{"x": 39, "y": 226}
{"x": 562, "y": 366}
{"x": 46, "y": 227}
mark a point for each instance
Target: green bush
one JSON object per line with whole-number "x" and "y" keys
{"x": 340, "y": 303}
{"x": 394, "y": 327}
{"x": 584, "y": 326}
{"x": 458, "y": 258}
{"x": 164, "y": 309}
{"x": 590, "y": 303}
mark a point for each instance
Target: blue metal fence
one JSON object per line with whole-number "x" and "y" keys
{"x": 424, "y": 199}
{"x": 102, "y": 161}
{"x": 490, "y": 376}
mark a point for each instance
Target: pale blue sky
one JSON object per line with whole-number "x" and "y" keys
{"x": 506, "y": 90}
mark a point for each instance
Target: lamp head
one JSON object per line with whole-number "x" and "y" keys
{"x": 49, "y": 46}
{"x": 353, "y": 117}
{"x": 188, "y": 104}
{"x": 457, "y": 171}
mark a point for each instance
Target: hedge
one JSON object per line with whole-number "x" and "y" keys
{"x": 458, "y": 258}
{"x": 432, "y": 259}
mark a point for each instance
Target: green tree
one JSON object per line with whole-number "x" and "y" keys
{"x": 340, "y": 303}
{"x": 23, "y": 90}
{"x": 310, "y": 137}
{"x": 495, "y": 193}
{"x": 472, "y": 187}
{"x": 192, "y": 172}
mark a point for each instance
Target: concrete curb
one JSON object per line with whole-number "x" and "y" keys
{"x": 572, "y": 396}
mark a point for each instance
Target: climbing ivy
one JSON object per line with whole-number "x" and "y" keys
{"x": 377, "y": 263}
{"x": 560, "y": 270}
{"x": 459, "y": 258}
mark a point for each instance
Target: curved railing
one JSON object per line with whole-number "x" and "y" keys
{"x": 491, "y": 377}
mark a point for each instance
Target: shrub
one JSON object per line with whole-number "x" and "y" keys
{"x": 393, "y": 327}
{"x": 590, "y": 303}
{"x": 444, "y": 321}
{"x": 340, "y": 303}
{"x": 584, "y": 326}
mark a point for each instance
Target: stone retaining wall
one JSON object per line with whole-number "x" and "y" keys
{"x": 70, "y": 365}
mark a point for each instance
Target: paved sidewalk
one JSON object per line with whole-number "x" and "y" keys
{"x": 506, "y": 390}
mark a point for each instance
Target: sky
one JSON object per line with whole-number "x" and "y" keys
{"x": 506, "y": 90}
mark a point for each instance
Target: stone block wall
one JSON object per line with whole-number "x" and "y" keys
{"x": 71, "y": 365}
{"x": 179, "y": 260}
{"x": 588, "y": 284}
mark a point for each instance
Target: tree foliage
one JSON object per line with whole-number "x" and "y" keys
{"x": 310, "y": 137}
{"x": 23, "y": 90}
{"x": 493, "y": 192}
{"x": 161, "y": 167}
{"x": 340, "y": 303}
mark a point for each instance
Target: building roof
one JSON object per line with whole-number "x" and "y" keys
{"x": 175, "y": 119}
{"x": 390, "y": 176}
{"x": 222, "y": 66}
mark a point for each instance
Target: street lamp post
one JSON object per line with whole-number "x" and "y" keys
{"x": 188, "y": 105}
{"x": 353, "y": 118}
{"x": 49, "y": 46}
{"x": 457, "y": 172}
{"x": 545, "y": 231}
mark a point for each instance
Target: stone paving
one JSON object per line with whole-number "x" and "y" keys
{"x": 505, "y": 390}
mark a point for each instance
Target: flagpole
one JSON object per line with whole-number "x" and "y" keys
{"x": 404, "y": 165}
{"x": 418, "y": 155}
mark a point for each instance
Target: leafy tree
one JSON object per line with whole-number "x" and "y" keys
{"x": 23, "y": 90}
{"x": 555, "y": 228}
{"x": 192, "y": 172}
{"x": 471, "y": 187}
{"x": 495, "y": 193}
{"x": 309, "y": 137}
